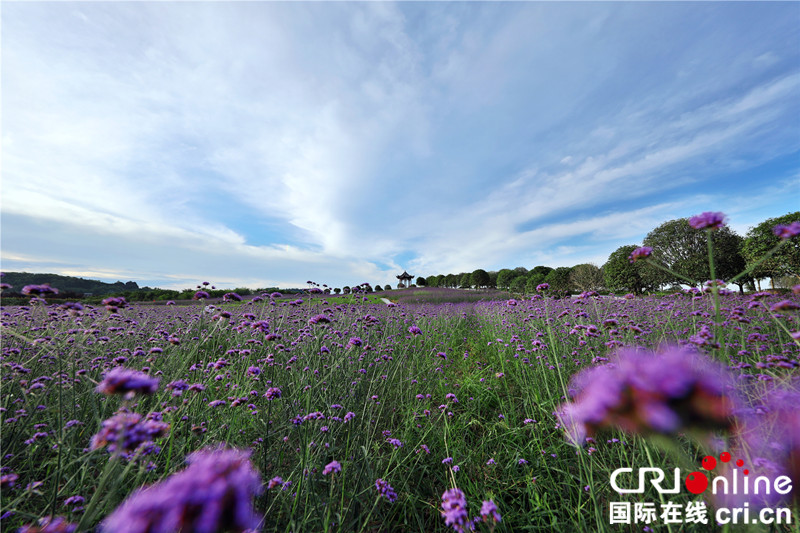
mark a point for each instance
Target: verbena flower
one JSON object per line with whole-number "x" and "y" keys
{"x": 50, "y": 524}
{"x": 708, "y": 219}
{"x": 332, "y": 467}
{"x": 489, "y": 511}
{"x": 385, "y": 490}
{"x": 214, "y": 493}
{"x": 644, "y": 392}
{"x": 39, "y": 290}
{"x": 640, "y": 253}
{"x": 129, "y": 431}
{"x": 125, "y": 381}
{"x": 787, "y": 231}
{"x": 201, "y": 295}
{"x": 454, "y": 510}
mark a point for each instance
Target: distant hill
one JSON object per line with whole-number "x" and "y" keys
{"x": 65, "y": 284}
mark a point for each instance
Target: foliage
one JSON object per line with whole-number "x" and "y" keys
{"x": 585, "y": 277}
{"x": 504, "y": 278}
{"x": 620, "y": 274}
{"x": 67, "y": 284}
{"x": 479, "y": 278}
{"x": 684, "y": 250}
{"x": 761, "y": 239}
{"x": 558, "y": 279}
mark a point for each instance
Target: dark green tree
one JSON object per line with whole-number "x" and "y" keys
{"x": 504, "y": 278}
{"x": 761, "y": 239}
{"x": 479, "y": 278}
{"x": 518, "y": 284}
{"x": 684, "y": 250}
{"x": 465, "y": 280}
{"x": 422, "y": 282}
{"x": 558, "y": 279}
{"x": 620, "y": 274}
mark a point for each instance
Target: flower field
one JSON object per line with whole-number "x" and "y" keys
{"x": 276, "y": 415}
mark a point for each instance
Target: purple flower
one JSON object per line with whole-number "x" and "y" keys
{"x": 542, "y": 287}
{"x": 643, "y": 392}
{"x": 385, "y": 490}
{"x": 272, "y": 393}
{"x": 489, "y": 511}
{"x": 231, "y": 297}
{"x": 640, "y": 253}
{"x": 707, "y": 219}
{"x": 454, "y": 510}
{"x": 130, "y": 430}
{"x": 201, "y": 295}
{"x": 39, "y": 290}
{"x": 414, "y": 330}
{"x": 121, "y": 380}
{"x": 50, "y": 524}
{"x": 114, "y": 302}
{"x": 354, "y": 341}
{"x": 332, "y": 467}
{"x": 319, "y": 319}
{"x": 787, "y": 231}
{"x": 275, "y": 482}
{"x": 214, "y": 493}
{"x": 395, "y": 442}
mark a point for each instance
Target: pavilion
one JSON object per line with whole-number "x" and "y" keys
{"x": 405, "y": 280}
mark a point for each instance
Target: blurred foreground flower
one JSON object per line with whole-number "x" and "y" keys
{"x": 121, "y": 380}
{"x": 642, "y": 392}
{"x": 50, "y": 524}
{"x": 768, "y": 439}
{"x": 214, "y": 493}
{"x": 128, "y": 431}
{"x": 708, "y": 219}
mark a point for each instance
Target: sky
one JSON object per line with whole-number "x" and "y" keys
{"x": 266, "y": 144}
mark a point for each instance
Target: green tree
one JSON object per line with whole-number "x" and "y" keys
{"x": 761, "y": 239}
{"x": 541, "y": 270}
{"x": 479, "y": 278}
{"x": 504, "y": 278}
{"x": 586, "y": 277}
{"x": 451, "y": 281}
{"x": 518, "y": 284}
{"x": 422, "y": 282}
{"x": 684, "y": 250}
{"x": 492, "y": 279}
{"x": 558, "y": 279}
{"x": 465, "y": 280}
{"x": 620, "y": 274}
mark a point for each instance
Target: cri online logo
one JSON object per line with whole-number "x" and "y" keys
{"x": 697, "y": 482}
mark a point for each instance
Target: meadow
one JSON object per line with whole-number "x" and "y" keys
{"x": 348, "y": 415}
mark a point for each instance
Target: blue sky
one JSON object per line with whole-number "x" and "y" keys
{"x": 265, "y": 144}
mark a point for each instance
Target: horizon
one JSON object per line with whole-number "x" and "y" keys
{"x": 264, "y": 144}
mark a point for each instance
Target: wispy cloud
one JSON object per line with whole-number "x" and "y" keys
{"x": 334, "y": 139}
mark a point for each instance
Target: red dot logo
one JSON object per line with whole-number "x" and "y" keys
{"x": 696, "y": 482}
{"x": 725, "y": 457}
{"x": 709, "y": 463}
{"x": 739, "y": 462}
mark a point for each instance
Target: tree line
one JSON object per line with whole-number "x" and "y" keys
{"x": 675, "y": 245}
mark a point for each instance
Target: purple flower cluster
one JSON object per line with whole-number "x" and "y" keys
{"x": 708, "y": 219}
{"x": 128, "y": 430}
{"x": 38, "y": 290}
{"x": 385, "y": 490}
{"x": 640, "y": 253}
{"x": 121, "y": 380}
{"x": 332, "y": 467}
{"x": 787, "y": 231}
{"x": 642, "y": 392}
{"x": 50, "y": 524}
{"x": 214, "y": 493}
{"x": 454, "y": 510}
